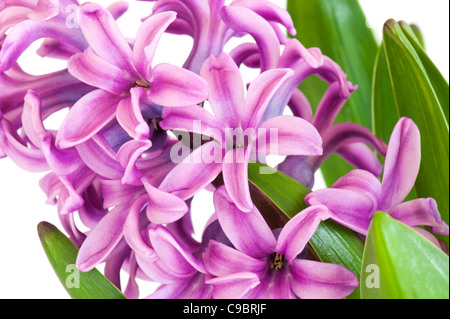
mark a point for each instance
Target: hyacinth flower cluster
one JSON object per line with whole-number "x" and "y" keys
{"x": 141, "y": 140}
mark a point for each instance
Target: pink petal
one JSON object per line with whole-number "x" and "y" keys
{"x": 421, "y": 211}
{"x": 117, "y": 9}
{"x": 191, "y": 288}
{"x": 330, "y": 106}
{"x": 130, "y": 117}
{"x": 260, "y": 93}
{"x": 87, "y": 117}
{"x": 103, "y": 238}
{"x": 128, "y": 155}
{"x": 300, "y": 106}
{"x": 316, "y": 280}
{"x": 100, "y": 157}
{"x": 30, "y": 159}
{"x": 177, "y": 258}
{"x": 31, "y": 118}
{"x": 132, "y": 230}
{"x": 174, "y": 86}
{"x": 233, "y": 286}
{"x": 295, "y": 52}
{"x": 52, "y": 48}
{"x": 221, "y": 260}
{"x": 45, "y": 10}
{"x": 157, "y": 271}
{"x": 248, "y": 232}
{"x": 350, "y": 208}
{"x": 298, "y": 231}
{"x": 245, "y": 20}
{"x": 164, "y": 207}
{"x": 360, "y": 181}
{"x": 62, "y": 162}
{"x": 147, "y": 39}
{"x": 342, "y": 134}
{"x": 289, "y": 135}
{"x": 132, "y": 289}
{"x": 362, "y": 157}
{"x": 270, "y": 12}
{"x": 235, "y": 177}
{"x": 104, "y": 36}
{"x": 114, "y": 192}
{"x": 25, "y": 33}
{"x": 226, "y": 88}
{"x": 196, "y": 171}
{"x": 93, "y": 70}
{"x": 244, "y": 52}
{"x": 193, "y": 119}
{"x": 402, "y": 163}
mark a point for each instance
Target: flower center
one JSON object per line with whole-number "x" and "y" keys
{"x": 237, "y": 138}
{"x": 142, "y": 85}
{"x": 276, "y": 261}
{"x": 155, "y": 123}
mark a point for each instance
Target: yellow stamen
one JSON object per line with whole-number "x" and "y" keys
{"x": 140, "y": 84}
{"x": 276, "y": 261}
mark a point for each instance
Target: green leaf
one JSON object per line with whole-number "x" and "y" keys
{"x": 339, "y": 29}
{"x": 419, "y": 92}
{"x": 62, "y": 254}
{"x": 418, "y": 33}
{"x": 399, "y": 263}
{"x": 332, "y": 243}
{"x": 437, "y": 80}
{"x": 384, "y": 109}
{"x": 285, "y": 192}
{"x": 336, "y": 244}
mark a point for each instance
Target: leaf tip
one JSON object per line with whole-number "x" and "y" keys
{"x": 44, "y": 228}
{"x": 389, "y": 25}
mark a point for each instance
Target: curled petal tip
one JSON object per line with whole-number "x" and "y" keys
{"x": 313, "y": 57}
{"x": 61, "y": 143}
{"x": 90, "y": 7}
{"x": 142, "y": 131}
{"x": 83, "y": 267}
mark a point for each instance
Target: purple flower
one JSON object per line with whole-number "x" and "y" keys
{"x": 236, "y": 131}
{"x": 56, "y": 90}
{"x": 28, "y": 21}
{"x": 349, "y": 140}
{"x": 123, "y": 76}
{"x": 60, "y": 50}
{"x": 123, "y": 201}
{"x": 354, "y": 198}
{"x": 123, "y": 186}
{"x": 168, "y": 255}
{"x": 35, "y": 150}
{"x": 211, "y": 24}
{"x": 262, "y": 265}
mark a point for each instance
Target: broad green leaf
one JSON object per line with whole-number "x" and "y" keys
{"x": 339, "y": 29}
{"x": 418, "y": 92}
{"x": 399, "y": 263}
{"x": 331, "y": 242}
{"x": 62, "y": 254}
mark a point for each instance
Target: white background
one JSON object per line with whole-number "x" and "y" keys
{"x": 24, "y": 269}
